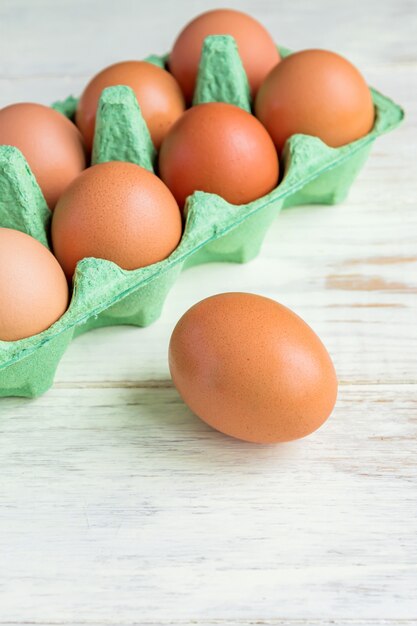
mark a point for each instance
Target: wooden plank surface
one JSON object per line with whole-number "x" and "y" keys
{"x": 117, "y": 505}
{"x": 138, "y": 511}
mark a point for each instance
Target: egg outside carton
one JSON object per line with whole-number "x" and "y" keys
{"x": 215, "y": 230}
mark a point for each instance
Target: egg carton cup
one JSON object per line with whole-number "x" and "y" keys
{"x": 215, "y": 230}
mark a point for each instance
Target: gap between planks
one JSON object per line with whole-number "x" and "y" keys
{"x": 410, "y": 64}
{"x": 167, "y": 384}
{"x": 226, "y": 622}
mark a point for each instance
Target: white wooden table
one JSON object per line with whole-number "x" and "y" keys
{"x": 117, "y": 505}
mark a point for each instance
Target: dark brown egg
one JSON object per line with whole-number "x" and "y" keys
{"x": 219, "y": 148}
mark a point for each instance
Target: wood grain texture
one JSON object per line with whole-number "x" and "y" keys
{"x": 227, "y": 622}
{"x": 149, "y": 509}
{"x": 117, "y": 505}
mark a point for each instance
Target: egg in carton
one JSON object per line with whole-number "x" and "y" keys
{"x": 215, "y": 230}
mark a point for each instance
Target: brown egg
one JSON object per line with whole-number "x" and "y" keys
{"x": 51, "y": 144}
{"x": 256, "y": 47}
{"x": 33, "y": 288}
{"x": 119, "y": 212}
{"x": 219, "y": 148}
{"x": 318, "y": 93}
{"x": 252, "y": 369}
{"x": 157, "y": 92}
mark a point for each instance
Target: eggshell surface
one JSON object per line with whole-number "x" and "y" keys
{"x": 157, "y": 92}
{"x": 219, "y": 148}
{"x": 33, "y": 288}
{"x": 252, "y": 369}
{"x": 116, "y": 211}
{"x": 51, "y": 144}
{"x": 315, "y": 92}
{"x": 257, "y": 49}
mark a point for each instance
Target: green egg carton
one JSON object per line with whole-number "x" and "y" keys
{"x": 103, "y": 293}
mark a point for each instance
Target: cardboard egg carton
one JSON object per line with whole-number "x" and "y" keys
{"x": 215, "y": 230}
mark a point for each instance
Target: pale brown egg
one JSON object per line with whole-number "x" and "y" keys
{"x": 33, "y": 287}
{"x": 157, "y": 92}
{"x": 257, "y": 49}
{"x": 219, "y": 148}
{"x": 252, "y": 369}
{"x": 51, "y": 144}
{"x": 315, "y": 92}
{"x": 116, "y": 211}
